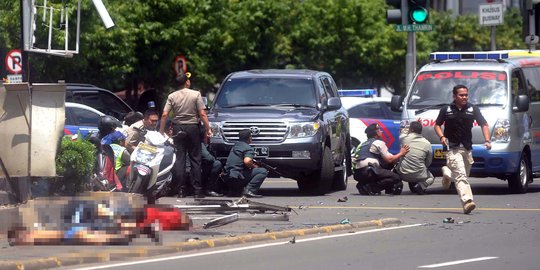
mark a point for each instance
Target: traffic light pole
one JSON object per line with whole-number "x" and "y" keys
{"x": 410, "y": 59}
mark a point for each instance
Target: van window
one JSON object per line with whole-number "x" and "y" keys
{"x": 532, "y": 75}
{"x": 266, "y": 91}
{"x": 435, "y": 87}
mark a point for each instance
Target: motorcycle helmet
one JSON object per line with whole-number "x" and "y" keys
{"x": 108, "y": 124}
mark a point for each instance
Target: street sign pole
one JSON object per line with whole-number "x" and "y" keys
{"x": 410, "y": 59}
{"x": 493, "y": 37}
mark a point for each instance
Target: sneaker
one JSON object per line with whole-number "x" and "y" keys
{"x": 417, "y": 188}
{"x": 446, "y": 177}
{"x": 468, "y": 207}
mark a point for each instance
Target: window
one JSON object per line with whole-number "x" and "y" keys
{"x": 84, "y": 117}
{"x": 367, "y": 110}
{"x": 266, "y": 91}
{"x": 533, "y": 82}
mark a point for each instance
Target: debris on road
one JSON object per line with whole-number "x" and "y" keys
{"x": 344, "y": 199}
{"x": 233, "y": 210}
{"x": 448, "y": 220}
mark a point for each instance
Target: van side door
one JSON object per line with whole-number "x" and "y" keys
{"x": 531, "y": 118}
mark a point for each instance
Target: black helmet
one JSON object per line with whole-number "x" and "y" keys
{"x": 108, "y": 124}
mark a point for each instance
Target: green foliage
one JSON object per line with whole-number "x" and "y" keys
{"x": 347, "y": 38}
{"x": 74, "y": 164}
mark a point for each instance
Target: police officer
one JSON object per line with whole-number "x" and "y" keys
{"x": 372, "y": 163}
{"x": 189, "y": 110}
{"x": 137, "y": 131}
{"x": 458, "y": 119}
{"x": 211, "y": 169}
{"x": 240, "y": 170}
{"x": 413, "y": 167}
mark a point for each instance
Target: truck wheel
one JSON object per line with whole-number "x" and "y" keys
{"x": 519, "y": 181}
{"x": 340, "y": 177}
{"x": 306, "y": 185}
{"x": 326, "y": 174}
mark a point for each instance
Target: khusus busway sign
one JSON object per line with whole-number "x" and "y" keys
{"x": 413, "y": 27}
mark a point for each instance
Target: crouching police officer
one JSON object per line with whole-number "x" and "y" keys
{"x": 373, "y": 163}
{"x": 241, "y": 171}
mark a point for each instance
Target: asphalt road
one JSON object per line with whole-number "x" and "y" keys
{"x": 502, "y": 233}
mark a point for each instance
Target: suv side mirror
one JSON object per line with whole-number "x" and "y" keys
{"x": 205, "y": 101}
{"x": 333, "y": 103}
{"x": 522, "y": 104}
{"x": 396, "y": 103}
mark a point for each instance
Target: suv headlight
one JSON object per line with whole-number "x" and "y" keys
{"x": 501, "y": 131}
{"x": 216, "y": 129}
{"x": 303, "y": 129}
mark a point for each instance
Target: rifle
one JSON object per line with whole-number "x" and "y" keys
{"x": 268, "y": 167}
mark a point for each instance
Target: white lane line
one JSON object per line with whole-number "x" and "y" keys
{"x": 458, "y": 262}
{"x": 244, "y": 248}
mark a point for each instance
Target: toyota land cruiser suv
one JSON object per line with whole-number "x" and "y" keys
{"x": 296, "y": 120}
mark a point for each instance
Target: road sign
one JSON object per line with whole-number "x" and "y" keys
{"x": 14, "y": 61}
{"x": 490, "y": 14}
{"x": 413, "y": 27}
{"x": 180, "y": 65}
{"x": 14, "y": 78}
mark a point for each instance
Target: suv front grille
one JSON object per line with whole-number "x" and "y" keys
{"x": 262, "y": 132}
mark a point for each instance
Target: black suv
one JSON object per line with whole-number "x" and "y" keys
{"x": 100, "y": 99}
{"x": 297, "y": 122}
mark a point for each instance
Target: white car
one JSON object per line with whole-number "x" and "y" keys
{"x": 81, "y": 118}
{"x": 365, "y": 110}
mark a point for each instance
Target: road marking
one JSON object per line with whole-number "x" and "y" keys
{"x": 418, "y": 208}
{"x": 458, "y": 262}
{"x": 245, "y": 248}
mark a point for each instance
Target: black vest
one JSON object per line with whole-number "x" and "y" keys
{"x": 364, "y": 152}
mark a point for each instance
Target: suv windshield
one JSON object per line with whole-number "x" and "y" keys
{"x": 435, "y": 87}
{"x": 267, "y": 91}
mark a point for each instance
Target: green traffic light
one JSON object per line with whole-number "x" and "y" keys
{"x": 419, "y": 14}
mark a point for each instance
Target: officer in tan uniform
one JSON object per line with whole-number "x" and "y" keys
{"x": 136, "y": 132}
{"x": 188, "y": 111}
{"x": 458, "y": 119}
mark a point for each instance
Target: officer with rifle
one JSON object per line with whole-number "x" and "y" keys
{"x": 240, "y": 169}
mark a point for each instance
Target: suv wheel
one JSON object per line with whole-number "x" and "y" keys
{"x": 326, "y": 174}
{"x": 340, "y": 177}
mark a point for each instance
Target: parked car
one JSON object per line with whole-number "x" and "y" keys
{"x": 98, "y": 98}
{"x": 365, "y": 109}
{"x": 297, "y": 122}
{"x": 81, "y": 118}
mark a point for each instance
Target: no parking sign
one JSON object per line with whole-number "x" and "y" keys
{"x": 14, "y": 62}
{"x": 180, "y": 65}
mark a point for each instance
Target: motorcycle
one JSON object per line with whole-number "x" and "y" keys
{"x": 151, "y": 167}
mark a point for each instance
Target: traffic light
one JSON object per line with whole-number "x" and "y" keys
{"x": 418, "y": 11}
{"x": 397, "y": 14}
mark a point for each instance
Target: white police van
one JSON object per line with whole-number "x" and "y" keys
{"x": 506, "y": 87}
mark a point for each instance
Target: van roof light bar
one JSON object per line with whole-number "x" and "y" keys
{"x": 357, "y": 92}
{"x": 441, "y": 56}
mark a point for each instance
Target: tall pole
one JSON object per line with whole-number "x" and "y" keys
{"x": 493, "y": 38}
{"x": 410, "y": 59}
{"x": 25, "y": 66}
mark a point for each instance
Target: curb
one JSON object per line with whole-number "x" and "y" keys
{"x": 143, "y": 252}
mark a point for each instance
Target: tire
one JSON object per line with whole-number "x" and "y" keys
{"x": 138, "y": 184}
{"x": 306, "y": 185}
{"x": 518, "y": 182}
{"x": 341, "y": 177}
{"x": 326, "y": 174}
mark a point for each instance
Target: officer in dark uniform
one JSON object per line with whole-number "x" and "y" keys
{"x": 458, "y": 119}
{"x": 211, "y": 168}
{"x": 372, "y": 161}
{"x": 241, "y": 171}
